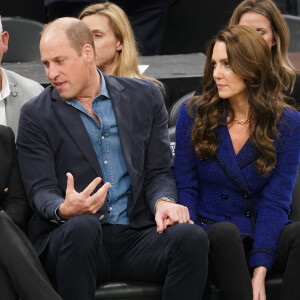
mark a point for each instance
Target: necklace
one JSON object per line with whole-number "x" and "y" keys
{"x": 242, "y": 122}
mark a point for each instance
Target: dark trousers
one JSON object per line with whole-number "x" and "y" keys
{"x": 21, "y": 273}
{"x": 82, "y": 253}
{"x": 229, "y": 255}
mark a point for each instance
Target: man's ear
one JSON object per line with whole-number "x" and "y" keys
{"x": 88, "y": 52}
{"x": 4, "y": 41}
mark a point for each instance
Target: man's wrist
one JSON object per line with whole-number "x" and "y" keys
{"x": 56, "y": 215}
{"x": 165, "y": 199}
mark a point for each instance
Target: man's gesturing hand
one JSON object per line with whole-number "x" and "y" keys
{"x": 82, "y": 203}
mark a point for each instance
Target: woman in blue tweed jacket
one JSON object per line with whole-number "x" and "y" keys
{"x": 236, "y": 160}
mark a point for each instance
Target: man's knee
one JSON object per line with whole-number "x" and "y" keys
{"x": 81, "y": 231}
{"x": 192, "y": 236}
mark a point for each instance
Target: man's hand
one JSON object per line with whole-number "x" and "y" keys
{"x": 169, "y": 213}
{"x": 82, "y": 203}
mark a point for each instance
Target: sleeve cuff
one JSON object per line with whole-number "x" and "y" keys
{"x": 167, "y": 199}
{"x": 56, "y": 216}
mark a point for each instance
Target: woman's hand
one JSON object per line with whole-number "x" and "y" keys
{"x": 258, "y": 283}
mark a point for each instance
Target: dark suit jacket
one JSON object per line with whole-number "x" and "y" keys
{"x": 52, "y": 141}
{"x": 12, "y": 195}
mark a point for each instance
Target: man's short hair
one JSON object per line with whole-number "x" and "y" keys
{"x": 76, "y": 31}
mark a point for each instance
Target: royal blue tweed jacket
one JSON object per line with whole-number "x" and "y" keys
{"x": 228, "y": 188}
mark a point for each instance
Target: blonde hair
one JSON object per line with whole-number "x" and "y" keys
{"x": 127, "y": 65}
{"x": 281, "y": 35}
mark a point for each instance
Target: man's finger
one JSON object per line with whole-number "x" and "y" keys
{"x": 91, "y": 187}
{"x": 70, "y": 182}
{"x": 159, "y": 223}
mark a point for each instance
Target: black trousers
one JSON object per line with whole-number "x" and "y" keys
{"x": 21, "y": 273}
{"x": 229, "y": 255}
{"x": 82, "y": 253}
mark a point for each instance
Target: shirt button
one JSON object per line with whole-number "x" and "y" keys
{"x": 110, "y": 208}
{"x": 228, "y": 218}
{"x": 5, "y": 190}
{"x": 101, "y": 217}
{"x": 102, "y": 137}
{"x": 105, "y": 162}
{"x": 224, "y": 196}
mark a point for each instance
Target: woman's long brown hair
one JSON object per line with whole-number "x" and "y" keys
{"x": 249, "y": 57}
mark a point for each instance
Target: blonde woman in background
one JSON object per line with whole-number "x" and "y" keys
{"x": 116, "y": 52}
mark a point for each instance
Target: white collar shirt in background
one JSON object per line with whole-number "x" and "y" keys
{"x": 3, "y": 94}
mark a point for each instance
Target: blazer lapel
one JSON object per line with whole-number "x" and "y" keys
{"x": 123, "y": 112}
{"x": 229, "y": 161}
{"x": 74, "y": 125}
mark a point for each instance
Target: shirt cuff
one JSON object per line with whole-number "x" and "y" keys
{"x": 56, "y": 216}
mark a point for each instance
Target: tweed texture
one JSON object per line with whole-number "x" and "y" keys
{"x": 228, "y": 188}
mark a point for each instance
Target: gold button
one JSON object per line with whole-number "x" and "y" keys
{"x": 5, "y": 190}
{"x": 101, "y": 217}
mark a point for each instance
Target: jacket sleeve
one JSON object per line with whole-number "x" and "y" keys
{"x": 159, "y": 178}
{"x": 185, "y": 167}
{"x": 14, "y": 202}
{"x": 274, "y": 206}
{"x": 36, "y": 159}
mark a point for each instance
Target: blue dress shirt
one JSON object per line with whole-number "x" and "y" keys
{"x": 106, "y": 142}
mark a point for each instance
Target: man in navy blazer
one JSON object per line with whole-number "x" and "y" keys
{"x": 96, "y": 164}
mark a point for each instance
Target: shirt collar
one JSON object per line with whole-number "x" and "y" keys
{"x": 104, "y": 90}
{"x": 5, "y": 86}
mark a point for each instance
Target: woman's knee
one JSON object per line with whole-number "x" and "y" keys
{"x": 223, "y": 233}
{"x": 292, "y": 233}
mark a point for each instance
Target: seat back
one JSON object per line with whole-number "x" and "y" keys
{"x": 24, "y": 39}
{"x": 175, "y": 107}
{"x": 295, "y": 207}
{"x": 293, "y": 23}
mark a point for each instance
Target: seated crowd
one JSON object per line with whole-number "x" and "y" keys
{"x": 92, "y": 167}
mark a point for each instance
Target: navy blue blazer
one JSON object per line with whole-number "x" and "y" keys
{"x": 52, "y": 141}
{"x": 228, "y": 188}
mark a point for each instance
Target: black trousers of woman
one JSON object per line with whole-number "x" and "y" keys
{"x": 21, "y": 273}
{"x": 229, "y": 255}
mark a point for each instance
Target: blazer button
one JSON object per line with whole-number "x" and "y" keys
{"x": 228, "y": 218}
{"x": 5, "y": 190}
{"x": 248, "y": 214}
{"x": 101, "y": 217}
{"x": 224, "y": 196}
{"x": 246, "y": 196}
